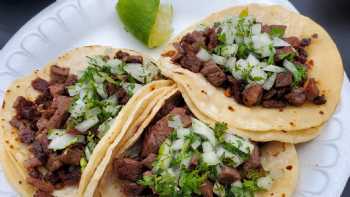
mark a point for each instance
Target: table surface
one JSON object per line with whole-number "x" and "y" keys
{"x": 333, "y": 15}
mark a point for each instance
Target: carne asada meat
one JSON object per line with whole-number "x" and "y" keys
{"x": 128, "y": 169}
{"x": 207, "y": 189}
{"x": 252, "y": 95}
{"x": 213, "y": 73}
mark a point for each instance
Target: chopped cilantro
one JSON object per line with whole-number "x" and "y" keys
{"x": 300, "y": 75}
{"x": 277, "y": 32}
{"x": 219, "y": 130}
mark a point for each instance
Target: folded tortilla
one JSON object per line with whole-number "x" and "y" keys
{"x": 307, "y": 119}
{"x": 14, "y": 153}
{"x": 278, "y": 158}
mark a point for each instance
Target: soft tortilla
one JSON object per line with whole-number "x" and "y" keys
{"x": 76, "y": 61}
{"x": 279, "y": 158}
{"x": 327, "y": 70}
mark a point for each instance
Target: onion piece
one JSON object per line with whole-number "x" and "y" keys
{"x": 256, "y": 29}
{"x": 183, "y": 132}
{"x": 273, "y": 68}
{"x": 175, "y": 122}
{"x": 278, "y": 42}
{"x": 203, "y": 55}
{"x": 210, "y": 158}
{"x": 258, "y": 75}
{"x": 136, "y": 71}
{"x": 60, "y": 139}
{"x": 219, "y": 59}
{"x": 230, "y": 63}
{"x": 207, "y": 147}
{"x": 264, "y": 182}
{"x": 177, "y": 144}
{"x": 196, "y": 144}
{"x": 203, "y": 130}
{"x": 270, "y": 82}
{"x": 244, "y": 145}
{"x": 87, "y": 124}
{"x": 252, "y": 60}
{"x": 229, "y": 50}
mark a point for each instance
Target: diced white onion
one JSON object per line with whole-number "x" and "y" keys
{"x": 256, "y": 29}
{"x": 261, "y": 40}
{"x": 196, "y": 144}
{"x": 278, "y": 42}
{"x": 252, "y": 60}
{"x": 74, "y": 90}
{"x": 270, "y": 82}
{"x": 258, "y": 75}
{"x": 242, "y": 64}
{"x": 237, "y": 160}
{"x": 137, "y": 71}
{"x": 183, "y": 132}
{"x": 186, "y": 162}
{"x": 264, "y": 182}
{"x": 290, "y": 66}
{"x": 273, "y": 68}
{"x": 101, "y": 90}
{"x": 131, "y": 87}
{"x": 210, "y": 158}
{"x": 175, "y": 122}
{"x": 231, "y": 62}
{"x": 219, "y": 190}
{"x": 87, "y": 124}
{"x": 207, "y": 147}
{"x": 60, "y": 139}
{"x": 177, "y": 144}
{"x": 242, "y": 144}
{"x": 219, "y": 59}
{"x": 203, "y": 55}
{"x": 220, "y": 151}
{"x": 229, "y": 50}
{"x": 203, "y": 130}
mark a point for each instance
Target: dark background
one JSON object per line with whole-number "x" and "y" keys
{"x": 334, "y": 15}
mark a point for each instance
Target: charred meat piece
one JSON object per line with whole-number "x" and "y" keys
{"x": 40, "y": 184}
{"x": 71, "y": 80}
{"x": 134, "y": 59}
{"x": 132, "y": 189}
{"x": 320, "y": 100}
{"x": 57, "y": 89}
{"x": 40, "y": 85}
{"x": 235, "y": 86}
{"x": 213, "y": 73}
{"x": 25, "y": 109}
{"x": 283, "y": 79}
{"x": 32, "y": 163}
{"x": 305, "y": 42}
{"x": 40, "y": 193}
{"x": 252, "y": 95}
{"x": 148, "y": 161}
{"x": 26, "y": 135}
{"x": 157, "y": 133}
{"x": 127, "y": 169}
{"x": 254, "y": 160}
{"x": 296, "y": 97}
{"x": 70, "y": 175}
{"x": 58, "y": 74}
{"x": 207, "y": 189}
{"x": 191, "y": 62}
{"x": 53, "y": 163}
{"x": 71, "y": 156}
{"x": 119, "y": 91}
{"x": 294, "y": 41}
{"x": 62, "y": 104}
{"x": 39, "y": 150}
{"x": 212, "y": 40}
{"x": 273, "y": 104}
{"x": 228, "y": 175}
{"x": 121, "y": 55}
{"x": 311, "y": 90}
{"x": 283, "y": 52}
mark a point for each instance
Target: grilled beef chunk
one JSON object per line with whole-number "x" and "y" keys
{"x": 273, "y": 104}
{"x": 127, "y": 169}
{"x": 25, "y": 109}
{"x": 191, "y": 62}
{"x": 156, "y": 134}
{"x": 148, "y": 161}
{"x": 121, "y": 55}
{"x": 62, "y": 104}
{"x": 294, "y": 41}
{"x": 53, "y": 163}
{"x": 57, "y": 89}
{"x": 42, "y": 194}
{"x": 58, "y": 74}
{"x": 252, "y": 95}
{"x": 32, "y": 163}
{"x": 254, "y": 160}
{"x": 134, "y": 59}
{"x": 26, "y": 135}
{"x": 235, "y": 88}
{"x": 40, "y": 184}
{"x": 212, "y": 40}
{"x": 72, "y": 156}
{"x": 228, "y": 175}
{"x": 311, "y": 89}
{"x": 207, "y": 189}
{"x": 39, "y": 150}
{"x": 71, "y": 80}
{"x": 213, "y": 73}
{"x": 70, "y": 175}
{"x": 40, "y": 85}
{"x": 320, "y": 100}
{"x": 283, "y": 79}
{"x": 302, "y": 55}
{"x": 178, "y": 54}
{"x": 296, "y": 97}
{"x": 132, "y": 189}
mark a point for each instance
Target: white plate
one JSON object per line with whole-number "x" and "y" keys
{"x": 71, "y": 23}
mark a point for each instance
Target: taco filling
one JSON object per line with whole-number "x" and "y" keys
{"x": 254, "y": 62}
{"x": 178, "y": 155}
{"x": 62, "y": 126}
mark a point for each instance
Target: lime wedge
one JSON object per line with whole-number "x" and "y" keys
{"x": 148, "y": 20}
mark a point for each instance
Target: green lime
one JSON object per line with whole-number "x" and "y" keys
{"x": 148, "y": 20}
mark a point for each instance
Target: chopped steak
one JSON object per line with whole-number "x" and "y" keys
{"x": 191, "y": 62}
{"x": 70, "y": 176}
{"x": 179, "y": 53}
{"x": 305, "y": 42}
{"x": 40, "y": 85}
{"x": 127, "y": 169}
{"x": 294, "y": 41}
{"x": 148, "y": 161}
{"x": 53, "y": 163}
{"x": 252, "y": 95}
{"x": 156, "y": 134}
{"x": 228, "y": 175}
{"x": 42, "y": 194}
{"x": 32, "y": 163}
{"x": 311, "y": 89}
{"x": 273, "y": 104}
{"x": 320, "y": 100}
{"x": 254, "y": 160}
{"x": 121, "y": 55}
{"x": 58, "y": 74}
{"x": 39, "y": 150}
{"x": 119, "y": 91}
{"x": 71, "y": 156}
{"x": 283, "y": 52}
{"x": 62, "y": 104}
{"x": 207, "y": 189}
{"x": 57, "y": 89}
{"x": 25, "y": 109}
{"x": 40, "y": 184}
{"x": 26, "y": 135}
{"x": 296, "y": 97}
{"x": 235, "y": 88}
{"x": 213, "y": 73}
{"x": 71, "y": 80}
{"x": 132, "y": 189}
{"x": 134, "y": 59}
{"x": 283, "y": 79}
{"x": 212, "y": 40}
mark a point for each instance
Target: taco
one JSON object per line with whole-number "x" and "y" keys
{"x": 258, "y": 68}
{"x": 57, "y": 123}
{"x": 174, "y": 153}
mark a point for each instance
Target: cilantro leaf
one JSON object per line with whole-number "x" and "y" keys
{"x": 220, "y": 129}
{"x": 277, "y": 31}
